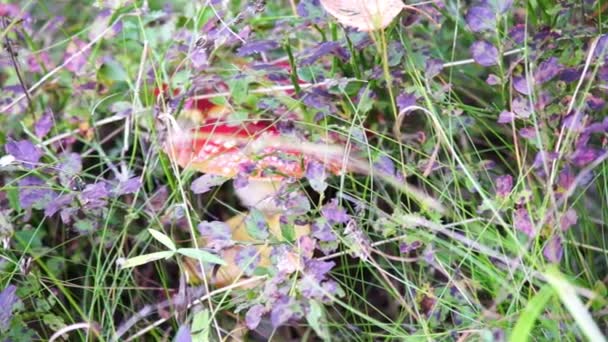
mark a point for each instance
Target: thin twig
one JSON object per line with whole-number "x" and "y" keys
{"x": 12, "y": 53}
{"x": 72, "y": 327}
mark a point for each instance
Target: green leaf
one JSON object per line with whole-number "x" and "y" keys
{"x": 162, "y": 238}
{"x": 528, "y": 317}
{"x": 112, "y": 71}
{"x": 239, "y": 88}
{"x": 567, "y": 293}
{"x": 146, "y": 258}
{"x": 314, "y": 318}
{"x": 200, "y": 325}
{"x": 201, "y": 255}
{"x": 256, "y": 225}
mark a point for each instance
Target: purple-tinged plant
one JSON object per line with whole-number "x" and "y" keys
{"x": 76, "y": 46}
{"x": 322, "y": 50}
{"x": 433, "y": 67}
{"x": 553, "y": 250}
{"x": 484, "y": 53}
{"x": 407, "y": 248}
{"x": 24, "y": 151}
{"x": 493, "y": 80}
{"x": 568, "y": 219}
{"x": 58, "y": 203}
{"x": 316, "y": 175}
{"x": 8, "y": 300}
{"x": 385, "y": 165}
{"x": 43, "y": 126}
{"x": 257, "y": 46}
{"x": 206, "y": 182}
{"x": 128, "y": 186}
{"x": 70, "y": 165}
{"x": 322, "y": 230}
{"x": 217, "y": 234}
{"x": 94, "y": 196}
{"x": 253, "y": 317}
{"x": 283, "y": 310}
{"x": 405, "y": 100}
{"x": 584, "y": 155}
{"x": 247, "y": 259}
{"x": 523, "y": 223}
{"x": 357, "y": 240}
{"x": 183, "y": 334}
{"x": 595, "y": 103}
{"x": 37, "y": 63}
{"x": 521, "y": 107}
{"x": 528, "y": 133}
{"x": 569, "y": 75}
{"x": 520, "y": 84}
{"x": 481, "y": 18}
{"x": 517, "y": 33}
{"x": 547, "y": 70}
{"x": 504, "y": 185}
{"x": 506, "y": 117}
{"x": 34, "y": 193}
{"x": 334, "y": 213}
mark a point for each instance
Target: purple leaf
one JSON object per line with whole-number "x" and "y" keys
{"x": 258, "y": 46}
{"x": 247, "y": 259}
{"x": 24, "y": 151}
{"x": 316, "y": 175}
{"x": 218, "y": 235}
{"x": 95, "y": 195}
{"x": 43, "y": 126}
{"x": 480, "y": 18}
{"x": 584, "y": 155}
{"x": 76, "y": 50}
{"x": 595, "y": 103}
{"x": 129, "y": 186}
{"x": 569, "y": 75}
{"x": 58, "y": 203}
{"x": 333, "y": 213}
{"x": 521, "y": 85}
{"x": 527, "y": 133}
{"x": 504, "y": 185}
{"x": 522, "y": 222}
{"x": 484, "y": 53}
{"x": 407, "y": 248}
{"x": 405, "y": 100}
{"x": 183, "y": 334}
{"x": 34, "y": 193}
{"x": 384, "y": 164}
{"x": 518, "y": 33}
{"x": 8, "y": 299}
{"x": 37, "y": 63}
{"x": 433, "y": 67}
{"x": 199, "y": 59}
{"x": 493, "y": 80}
{"x": 206, "y": 182}
{"x": 321, "y": 230}
{"x": 568, "y": 219}
{"x": 324, "y": 49}
{"x": 506, "y": 117}
{"x": 254, "y": 316}
{"x": 547, "y": 70}
{"x": 553, "y": 250}
{"x": 282, "y": 311}
{"x": 318, "y": 269}
{"x": 70, "y": 164}
{"x": 521, "y": 107}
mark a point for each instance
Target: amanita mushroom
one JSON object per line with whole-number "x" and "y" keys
{"x": 260, "y": 153}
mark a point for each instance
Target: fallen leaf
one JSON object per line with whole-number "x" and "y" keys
{"x": 364, "y": 15}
